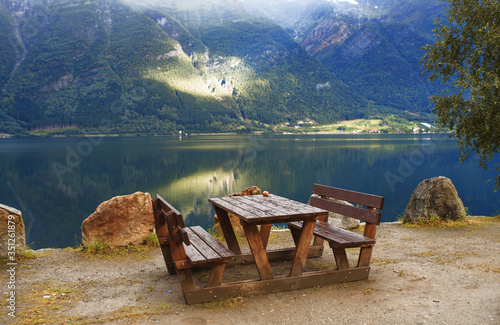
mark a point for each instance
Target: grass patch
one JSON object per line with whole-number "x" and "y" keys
{"x": 485, "y": 268}
{"x": 436, "y": 222}
{"x": 102, "y": 249}
{"x": 424, "y": 254}
{"x": 358, "y": 229}
{"x": 382, "y": 261}
{"x": 96, "y": 248}
{"x": 214, "y": 234}
{"x": 125, "y": 313}
{"x": 220, "y": 237}
{"x": 39, "y": 304}
{"x": 319, "y": 266}
{"x": 29, "y": 254}
{"x": 152, "y": 240}
{"x": 446, "y": 260}
{"x": 370, "y": 290}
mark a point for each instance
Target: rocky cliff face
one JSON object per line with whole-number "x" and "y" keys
{"x": 326, "y": 36}
{"x": 371, "y": 45}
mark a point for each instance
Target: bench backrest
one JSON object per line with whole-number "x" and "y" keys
{"x": 169, "y": 223}
{"x": 370, "y": 214}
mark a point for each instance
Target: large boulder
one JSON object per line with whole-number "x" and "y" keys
{"x": 121, "y": 221}
{"x": 434, "y": 197}
{"x": 235, "y": 221}
{"x": 11, "y": 233}
{"x": 340, "y": 220}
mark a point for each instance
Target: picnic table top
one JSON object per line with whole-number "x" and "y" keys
{"x": 259, "y": 209}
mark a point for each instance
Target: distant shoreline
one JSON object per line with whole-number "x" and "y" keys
{"x": 117, "y": 135}
{"x": 386, "y": 125}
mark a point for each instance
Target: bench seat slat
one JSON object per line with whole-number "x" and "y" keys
{"x": 337, "y": 237}
{"x": 202, "y": 248}
{"x": 222, "y": 250}
{"x": 193, "y": 255}
{"x": 346, "y": 238}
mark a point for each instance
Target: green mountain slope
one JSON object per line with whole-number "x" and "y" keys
{"x": 8, "y": 50}
{"x": 374, "y": 46}
{"x": 109, "y": 66}
{"x": 386, "y": 69}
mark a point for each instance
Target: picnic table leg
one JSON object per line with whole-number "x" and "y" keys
{"x": 265, "y": 230}
{"x": 306, "y": 234}
{"x": 216, "y": 273}
{"x": 317, "y": 240}
{"x": 295, "y": 234}
{"x": 340, "y": 258}
{"x": 365, "y": 253}
{"x": 227, "y": 229}
{"x": 258, "y": 251}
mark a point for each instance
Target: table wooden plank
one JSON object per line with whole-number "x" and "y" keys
{"x": 288, "y": 204}
{"x": 264, "y": 204}
{"x": 281, "y": 212}
{"x": 246, "y": 203}
{"x": 278, "y": 284}
{"x": 269, "y": 214}
{"x": 231, "y": 205}
{"x": 258, "y": 209}
{"x": 296, "y": 207}
{"x": 301, "y": 205}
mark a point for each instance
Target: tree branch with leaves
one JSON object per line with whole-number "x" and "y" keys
{"x": 466, "y": 59}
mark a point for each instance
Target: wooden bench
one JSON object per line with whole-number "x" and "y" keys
{"x": 339, "y": 239}
{"x": 184, "y": 248}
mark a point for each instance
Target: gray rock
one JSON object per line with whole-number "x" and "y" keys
{"x": 12, "y": 233}
{"x": 340, "y": 220}
{"x": 434, "y": 197}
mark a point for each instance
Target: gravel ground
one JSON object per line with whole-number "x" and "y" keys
{"x": 418, "y": 276}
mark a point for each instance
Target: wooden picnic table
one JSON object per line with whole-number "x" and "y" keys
{"x": 264, "y": 211}
{"x": 187, "y": 248}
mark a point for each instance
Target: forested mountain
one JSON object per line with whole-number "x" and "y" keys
{"x": 374, "y": 46}
{"x": 206, "y": 66}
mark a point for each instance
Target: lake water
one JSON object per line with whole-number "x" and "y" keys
{"x": 58, "y": 182}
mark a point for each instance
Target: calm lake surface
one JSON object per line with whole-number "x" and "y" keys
{"x": 58, "y": 182}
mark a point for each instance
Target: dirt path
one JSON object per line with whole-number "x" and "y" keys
{"x": 418, "y": 276}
